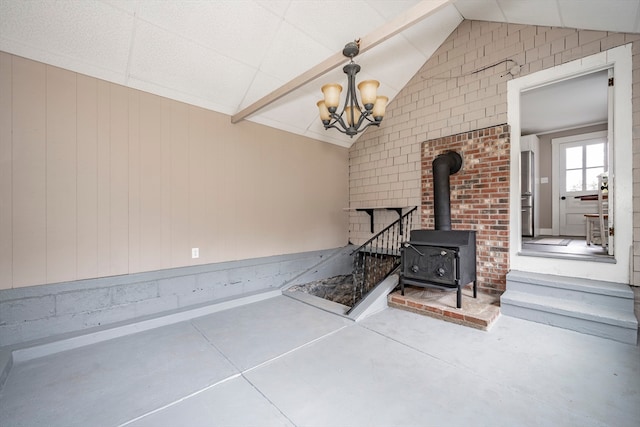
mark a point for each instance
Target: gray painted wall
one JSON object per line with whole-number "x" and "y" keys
{"x": 45, "y": 311}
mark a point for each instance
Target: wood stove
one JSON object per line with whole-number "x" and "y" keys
{"x": 441, "y": 258}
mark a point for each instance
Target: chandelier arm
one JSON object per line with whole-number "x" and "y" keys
{"x": 343, "y": 128}
{"x": 354, "y": 96}
{"x": 364, "y": 116}
{"x": 371, "y": 123}
{"x": 332, "y": 125}
{"x": 338, "y": 119}
{"x": 352, "y": 69}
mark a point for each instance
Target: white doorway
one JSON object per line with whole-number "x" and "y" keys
{"x": 617, "y": 268}
{"x": 578, "y": 160}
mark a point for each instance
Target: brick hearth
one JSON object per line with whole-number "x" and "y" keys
{"x": 477, "y": 313}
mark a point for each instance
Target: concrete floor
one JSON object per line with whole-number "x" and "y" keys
{"x": 280, "y": 362}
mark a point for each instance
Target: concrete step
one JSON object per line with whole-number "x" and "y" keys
{"x": 597, "y": 292}
{"x": 603, "y": 309}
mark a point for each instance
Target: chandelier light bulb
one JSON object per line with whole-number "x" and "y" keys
{"x": 331, "y": 93}
{"x": 325, "y": 115}
{"x": 368, "y": 89}
{"x": 351, "y": 119}
{"x": 379, "y": 108}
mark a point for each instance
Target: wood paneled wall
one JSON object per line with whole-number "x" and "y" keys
{"x": 99, "y": 180}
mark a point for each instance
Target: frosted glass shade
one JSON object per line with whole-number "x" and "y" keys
{"x": 379, "y": 107}
{"x": 324, "y": 111}
{"x": 356, "y": 115}
{"x": 368, "y": 90}
{"x": 331, "y": 93}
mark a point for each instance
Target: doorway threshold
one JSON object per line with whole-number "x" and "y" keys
{"x": 607, "y": 259}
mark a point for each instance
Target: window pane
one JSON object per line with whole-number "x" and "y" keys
{"x": 574, "y": 180}
{"x": 592, "y": 178}
{"x": 595, "y": 155}
{"x": 574, "y": 158}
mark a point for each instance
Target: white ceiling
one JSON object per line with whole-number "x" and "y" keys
{"x": 224, "y": 55}
{"x": 568, "y": 104}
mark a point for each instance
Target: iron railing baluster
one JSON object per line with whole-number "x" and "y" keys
{"x": 379, "y": 256}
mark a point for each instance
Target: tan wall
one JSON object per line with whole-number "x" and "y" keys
{"x": 447, "y": 97}
{"x": 100, "y": 180}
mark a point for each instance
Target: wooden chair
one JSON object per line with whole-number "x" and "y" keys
{"x": 597, "y": 225}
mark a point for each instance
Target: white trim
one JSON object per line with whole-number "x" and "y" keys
{"x": 580, "y": 137}
{"x": 555, "y": 190}
{"x": 570, "y": 128}
{"x": 620, "y": 60}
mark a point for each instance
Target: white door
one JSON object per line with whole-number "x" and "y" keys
{"x": 581, "y": 159}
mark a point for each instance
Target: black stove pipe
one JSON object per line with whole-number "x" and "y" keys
{"x": 444, "y": 165}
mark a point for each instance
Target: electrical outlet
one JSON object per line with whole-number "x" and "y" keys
{"x": 195, "y": 252}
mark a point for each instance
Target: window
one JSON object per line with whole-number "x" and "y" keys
{"x": 583, "y": 163}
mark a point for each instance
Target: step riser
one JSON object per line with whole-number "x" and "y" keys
{"x": 575, "y": 310}
{"x": 603, "y": 309}
{"x": 585, "y": 326}
{"x": 596, "y": 299}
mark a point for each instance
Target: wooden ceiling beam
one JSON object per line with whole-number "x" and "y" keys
{"x": 405, "y": 20}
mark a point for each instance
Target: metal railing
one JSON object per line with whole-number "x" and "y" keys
{"x": 375, "y": 259}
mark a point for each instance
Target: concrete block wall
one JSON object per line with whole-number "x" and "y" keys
{"x": 38, "y": 312}
{"x": 463, "y": 87}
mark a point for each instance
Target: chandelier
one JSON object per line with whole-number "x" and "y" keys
{"x": 352, "y": 119}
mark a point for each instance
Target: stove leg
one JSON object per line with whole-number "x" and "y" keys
{"x": 459, "y": 297}
{"x": 401, "y": 287}
{"x": 475, "y": 289}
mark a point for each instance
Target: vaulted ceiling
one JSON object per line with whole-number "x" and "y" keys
{"x": 224, "y": 55}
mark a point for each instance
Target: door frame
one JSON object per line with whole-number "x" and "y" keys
{"x": 616, "y": 269}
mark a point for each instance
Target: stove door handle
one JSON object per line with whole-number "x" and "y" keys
{"x": 409, "y": 245}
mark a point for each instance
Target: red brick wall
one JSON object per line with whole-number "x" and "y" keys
{"x": 479, "y": 196}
